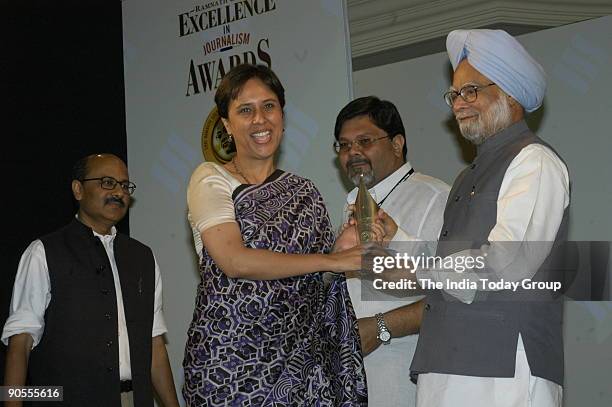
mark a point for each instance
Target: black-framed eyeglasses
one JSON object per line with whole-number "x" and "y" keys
{"x": 110, "y": 183}
{"x": 363, "y": 143}
{"x": 469, "y": 93}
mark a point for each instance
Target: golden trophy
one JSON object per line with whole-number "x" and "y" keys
{"x": 366, "y": 210}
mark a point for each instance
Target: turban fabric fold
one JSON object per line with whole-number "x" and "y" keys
{"x": 501, "y": 58}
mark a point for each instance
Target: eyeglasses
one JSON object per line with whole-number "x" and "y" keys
{"x": 110, "y": 183}
{"x": 469, "y": 93}
{"x": 363, "y": 143}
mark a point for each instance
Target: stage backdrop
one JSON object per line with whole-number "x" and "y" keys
{"x": 175, "y": 54}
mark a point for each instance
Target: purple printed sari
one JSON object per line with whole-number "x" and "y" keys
{"x": 288, "y": 342}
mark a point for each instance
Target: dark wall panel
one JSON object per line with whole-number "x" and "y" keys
{"x": 61, "y": 84}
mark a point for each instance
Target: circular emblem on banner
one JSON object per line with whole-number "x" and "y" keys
{"x": 216, "y": 144}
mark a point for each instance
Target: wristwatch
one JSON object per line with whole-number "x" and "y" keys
{"x": 384, "y": 335}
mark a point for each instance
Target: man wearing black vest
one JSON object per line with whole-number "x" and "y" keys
{"x": 86, "y": 311}
{"x": 482, "y": 347}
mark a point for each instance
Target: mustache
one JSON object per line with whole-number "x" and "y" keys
{"x": 465, "y": 113}
{"x": 356, "y": 161}
{"x": 114, "y": 199}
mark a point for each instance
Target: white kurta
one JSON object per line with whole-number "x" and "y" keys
{"x": 530, "y": 204}
{"x": 32, "y": 294}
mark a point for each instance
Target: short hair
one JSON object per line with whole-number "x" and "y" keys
{"x": 233, "y": 82}
{"x": 383, "y": 114}
{"x": 79, "y": 169}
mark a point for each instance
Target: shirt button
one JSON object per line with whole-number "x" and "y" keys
{"x": 100, "y": 268}
{"x": 109, "y": 369}
{"x": 457, "y": 198}
{"x": 427, "y": 307}
{"x": 473, "y": 166}
{"x": 445, "y": 233}
{"x": 107, "y": 315}
{"x": 104, "y": 291}
{"x": 109, "y": 343}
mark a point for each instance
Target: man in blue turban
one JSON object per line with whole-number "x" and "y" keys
{"x": 481, "y": 347}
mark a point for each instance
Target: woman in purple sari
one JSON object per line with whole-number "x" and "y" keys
{"x": 266, "y": 330}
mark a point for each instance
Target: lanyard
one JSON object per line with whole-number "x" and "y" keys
{"x": 404, "y": 178}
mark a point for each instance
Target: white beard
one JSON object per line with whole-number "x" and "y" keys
{"x": 496, "y": 118}
{"x": 354, "y": 173}
{"x": 368, "y": 177}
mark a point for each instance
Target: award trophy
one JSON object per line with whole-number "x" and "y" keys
{"x": 365, "y": 212}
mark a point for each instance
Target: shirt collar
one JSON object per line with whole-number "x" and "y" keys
{"x": 105, "y": 238}
{"x": 385, "y": 186}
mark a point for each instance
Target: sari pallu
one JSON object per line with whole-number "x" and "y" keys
{"x": 290, "y": 341}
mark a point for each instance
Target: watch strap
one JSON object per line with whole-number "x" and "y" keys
{"x": 382, "y": 327}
